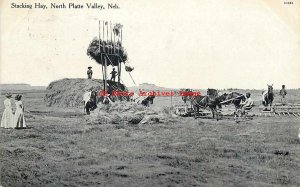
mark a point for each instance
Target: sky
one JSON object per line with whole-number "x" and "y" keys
{"x": 170, "y": 43}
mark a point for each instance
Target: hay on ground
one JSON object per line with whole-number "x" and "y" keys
{"x": 128, "y": 112}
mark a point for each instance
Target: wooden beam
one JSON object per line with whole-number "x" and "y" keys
{"x": 114, "y": 42}
{"x": 107, "y": 37}
{"x": 111, "y": 37}
{"x": 101, "y": 57}
{"x": 103, "y": 37}
{"x": 119, "y": 71}
{"x": 105, "y": 77}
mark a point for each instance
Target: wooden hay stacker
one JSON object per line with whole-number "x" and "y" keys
{"x": 108, "y": 50}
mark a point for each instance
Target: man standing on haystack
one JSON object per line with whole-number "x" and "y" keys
{"x": 113, "y": 75}
{"x": 89, "y": 72}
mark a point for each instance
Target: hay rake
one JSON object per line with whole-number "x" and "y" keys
{"x": 278, "y": 110}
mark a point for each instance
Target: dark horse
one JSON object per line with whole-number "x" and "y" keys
{"x": 234, "y": 98}
{"x": 268, "y": 97}
{"x": 148, "y": 100}
{"x": 91, "y": 104}
{"x": 211, "y": 100}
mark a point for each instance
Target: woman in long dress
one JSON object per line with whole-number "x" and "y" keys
{"x": 19, "y": 114}
{"x": 7, "y": 120}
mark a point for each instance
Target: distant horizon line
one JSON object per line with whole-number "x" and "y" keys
{"x": 158, "y": 86}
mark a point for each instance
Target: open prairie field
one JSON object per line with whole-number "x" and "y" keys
{"x": 61, "y": 149}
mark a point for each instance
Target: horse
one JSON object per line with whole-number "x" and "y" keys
{"x": 90, "y": 101}
{"x": 268, "y": 97}
{"x": 148, "y": 100}
{"x": 234, "y": 98}
{"x": 211, "y": 100}
{"x": 195, "y": 102}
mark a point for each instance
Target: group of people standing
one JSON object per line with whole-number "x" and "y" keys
{"x": 16, "y": 120}
{"x": 114, "y": 73}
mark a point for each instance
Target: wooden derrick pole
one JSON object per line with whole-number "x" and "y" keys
{"x": 105, "y": 70}
{"x": 104, "y": 59}
{"x": 101, "y": 58}
{"x": 119, "y": 63}
{"x": 119, "y": 72}
{"x": 114, "y": 42}
{"x": 106, "y": 23}
{"x": 106, "y": 56}
{"x": 103, "y": 37}
{"x": 100, "y": 48}
{"x": 111, "y": 41}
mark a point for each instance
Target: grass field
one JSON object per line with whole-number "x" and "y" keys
{"x": 60, "y": 149}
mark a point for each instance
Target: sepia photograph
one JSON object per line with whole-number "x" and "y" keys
{"x": 149, "y": 93}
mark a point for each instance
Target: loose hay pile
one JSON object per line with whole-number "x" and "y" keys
{"x": 109, "y": 48}
{"x": 69, "y": 92}
{"x": 128, "y": 112}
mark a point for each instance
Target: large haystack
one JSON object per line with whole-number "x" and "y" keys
{"x": 69, "y": 92}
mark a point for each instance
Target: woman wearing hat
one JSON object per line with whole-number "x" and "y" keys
{"x": 19, "y": 119}
{"x": 7, "y": 117}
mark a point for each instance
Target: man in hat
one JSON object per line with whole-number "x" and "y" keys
{"x": 89, "y": 72}
{"x": 113, "y": 75}
{"x": 282, "y": 94}
{"x": 247, "y": 104}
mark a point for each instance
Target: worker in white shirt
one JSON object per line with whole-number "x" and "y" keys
{"x": 247, "y": 104}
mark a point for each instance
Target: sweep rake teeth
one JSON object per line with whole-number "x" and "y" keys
{"x": 291, "y": 110}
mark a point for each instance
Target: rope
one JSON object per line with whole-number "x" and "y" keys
{"x": 132, "y": 78}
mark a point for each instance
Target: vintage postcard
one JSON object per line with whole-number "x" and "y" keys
{"x": 149, "y": 93}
